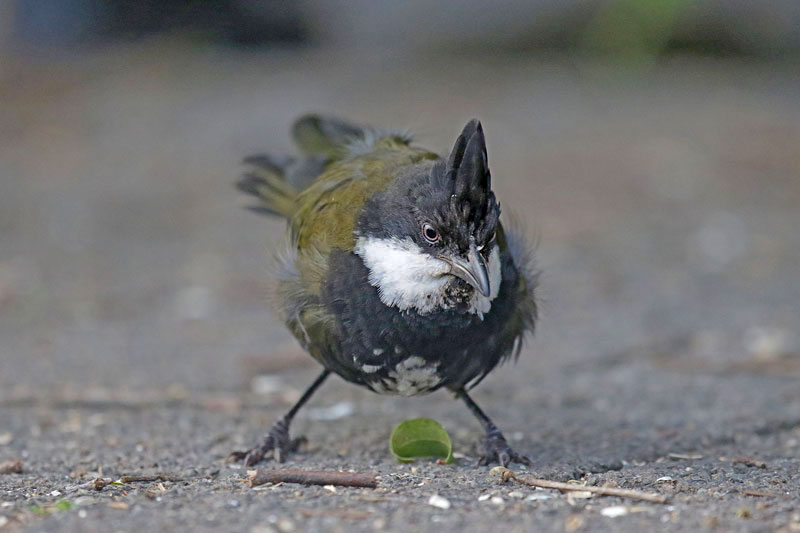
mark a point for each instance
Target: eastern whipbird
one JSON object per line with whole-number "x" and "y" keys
{"x": 397, "y": 275}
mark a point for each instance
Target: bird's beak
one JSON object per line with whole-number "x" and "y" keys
{"x": 472, "y": 269}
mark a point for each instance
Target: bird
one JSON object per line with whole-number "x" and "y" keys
{"x": 396, "y": 273}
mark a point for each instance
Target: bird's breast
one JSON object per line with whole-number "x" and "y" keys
{"x": 405, "y": 352}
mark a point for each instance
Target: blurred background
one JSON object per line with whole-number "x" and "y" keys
{"x": 653, "y": 146}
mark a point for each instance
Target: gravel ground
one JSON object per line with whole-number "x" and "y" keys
{"x": 136, "y": 340}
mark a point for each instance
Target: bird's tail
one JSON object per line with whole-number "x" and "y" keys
{"x": 276, "y": 181}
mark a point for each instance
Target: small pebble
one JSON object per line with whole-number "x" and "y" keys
{"x": 439, "y": 501}
{"x": 614, "y": 511}
{"x": 286, "y": 525}
{"x": 538, "y": 496}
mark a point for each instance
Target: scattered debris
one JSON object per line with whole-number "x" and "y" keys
{"x": 614, "y": 511}
{"x": 119, "y": 506}
{"x": 313, "y": 477}
{"x": 97, "y": 484}
{"x": 686, "y": 456}
{"x": 760, "y": 493}
{"x": 749, "y": 461}
{"x": 347, "y": 514}
{"x": 150, "y": 478}
{"x": 578, "y": 495}
{"x": 573, "y": 522}
{"x": 664, "y": 479}
{"x": 439, "y": 501}
{"x": 11, "y": 467}
{"x": 539, "y": 495}
{"x": 506, "y": 474}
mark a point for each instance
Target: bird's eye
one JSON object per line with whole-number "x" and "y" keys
{"x": 430, "y": 233}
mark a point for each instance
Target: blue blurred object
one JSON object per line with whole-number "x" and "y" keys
{"x": 76, "y": 22}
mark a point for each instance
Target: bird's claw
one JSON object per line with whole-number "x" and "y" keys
{"x": 276, "y": 441}
{"x": 498, "y": 450}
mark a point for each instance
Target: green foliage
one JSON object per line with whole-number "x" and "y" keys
{"x": 63, "y": 505}
{"x": 633, "y": 31}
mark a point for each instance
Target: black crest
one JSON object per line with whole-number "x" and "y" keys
{"x": 466, "y": 179}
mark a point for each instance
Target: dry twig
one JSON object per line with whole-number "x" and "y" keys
{"x": 506, "y": 474}
{"x": 313, "y": 477}
{"x": 761, "y": 493}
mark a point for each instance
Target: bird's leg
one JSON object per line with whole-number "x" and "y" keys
{"x": 497, "y": 449}
{"x": 277, "y": 440}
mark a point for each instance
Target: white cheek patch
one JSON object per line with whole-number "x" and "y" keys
{"x": 408, "y": 278}
{"x": 405, "y": 276}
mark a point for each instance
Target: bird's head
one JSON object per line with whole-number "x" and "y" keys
{"x": 428, "y": 240}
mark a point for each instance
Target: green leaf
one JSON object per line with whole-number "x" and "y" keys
{"x": 63, "y": 505}
{"x": 421, "y": 437}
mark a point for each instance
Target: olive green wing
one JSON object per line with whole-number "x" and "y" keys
{"x": 323, "y": 222}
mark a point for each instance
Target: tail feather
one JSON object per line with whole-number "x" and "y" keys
{"x": 266, "y": 181}
{"x": 326, "y": 136}
{"x": 276, "y": 181}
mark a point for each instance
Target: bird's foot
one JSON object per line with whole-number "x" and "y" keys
{"x": 498, "y": 450}
{"x": 277, "y": 441}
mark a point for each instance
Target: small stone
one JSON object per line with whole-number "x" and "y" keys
{"x": 664, "y": 479}
{"x": 516, "y": 494}
{"x": 286, "y": 525}
{"x": 3, "y": 521}
{"x": 614, "y": 511}
{"x": 484, "y": 497}
{"x": 119, "y": 506}
{"x": 538, "y": 496}
{"x": 439, "y": 501}
{"x": 497, "y": 500}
